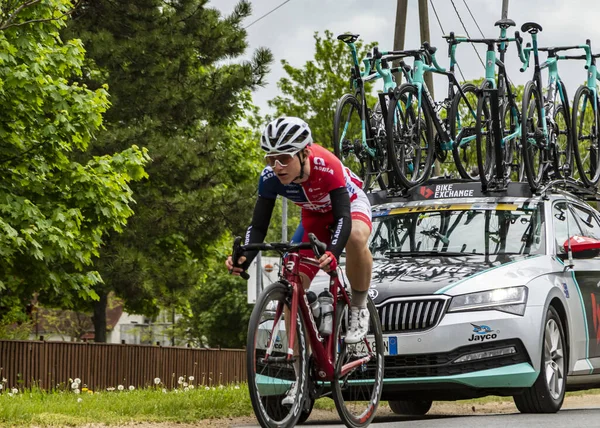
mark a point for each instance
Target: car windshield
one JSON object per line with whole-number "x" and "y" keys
{"x": 467, "y": 229}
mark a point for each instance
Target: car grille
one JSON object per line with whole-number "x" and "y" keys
{"x": 412, "y": 314}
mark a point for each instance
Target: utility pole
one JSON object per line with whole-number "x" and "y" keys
{"x": 504, "y": 9}
{"x": 425, "y": 37}
{"x": 400, "y": 32}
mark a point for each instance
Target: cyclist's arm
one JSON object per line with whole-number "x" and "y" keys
{"x": 257, "y": 231}
{"x": 342, "y": 220}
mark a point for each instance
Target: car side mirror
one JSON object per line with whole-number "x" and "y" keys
{"x": 582, "y": 247}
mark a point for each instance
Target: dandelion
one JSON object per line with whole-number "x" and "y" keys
{"x": 1, "y": 386}
{"x": 4, "y": 380}
{"x": 191, "y": 378}
{"x": 180, "y": 381}
{"x": 90, "y": 391}
{"x": 164, "y": 390}
{"x": 186, "y": 389}
{"x": 191, "y": 386}
{"x": 10, "y": 394}
{"x": 84, "y": 389}
{"x": 176, "y": 391}
{"x": 77, "y": 380}
{"x": 220, "y": 386}
{"x": 111, "y": 388}
{"x": 131, "y": 387}
{"x": 120, "y": 387}
{"x": 156, "y": 381}
{"x": 79, "y": 400}
{"x": 14, "y": 391}
{"x": 237, "y": 387}
{"x": 74, "y": 385}
{"x": 185, "y": 384}
{"x": 76, "y": 391}
{"x": 207, "y": 388}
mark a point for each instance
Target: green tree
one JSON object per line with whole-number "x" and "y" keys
{"x": 311, "y": 92}
{"x": 177, "y": 90}
{"x": 54, "y": 212}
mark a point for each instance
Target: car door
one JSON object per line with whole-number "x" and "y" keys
{"x": 587, "y": 275}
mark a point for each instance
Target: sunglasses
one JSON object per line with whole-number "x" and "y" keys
{"x": 283, "y": 159}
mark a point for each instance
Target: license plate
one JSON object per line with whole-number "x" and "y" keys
{"x": 390, "y": 345}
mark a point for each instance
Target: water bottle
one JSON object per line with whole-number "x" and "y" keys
{"x": 326, "y": 303}
{"x": 313, "y": 302}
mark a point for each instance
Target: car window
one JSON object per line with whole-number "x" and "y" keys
{"x": 565, "y": 225}
{"x": 498, "y": 229}
{"x": 588, "y": 221}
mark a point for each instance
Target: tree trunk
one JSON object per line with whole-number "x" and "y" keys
{"x": 99, "y": 318}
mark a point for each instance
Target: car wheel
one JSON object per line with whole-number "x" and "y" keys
{"x": 548, "y": 392}
{"x": 410, "y": 407}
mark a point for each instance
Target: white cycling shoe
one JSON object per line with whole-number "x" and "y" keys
{"x": 358, "y": 325}
{"x": 290, "y": 396}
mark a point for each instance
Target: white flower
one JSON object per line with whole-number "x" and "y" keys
{"x": 191, "y": 378}
{"x": 180, "y": 381}
{"x": 176, "y": 391}
{"x": 79, "y": 400}
{"x": 14, "y": 391}
{"x": 213, "y": 388}
{"x": 76, "y": 391}
{"x": 156, "y": 380}
{"x": 111, "y": 388}
{"x": 207, "y": 388}
{"x": 1, "y": 386}
{"x": 10, "y": 394}
{"x": 120, "y": 387}
{"x": 186, "y": 389}
{"x": 185, "y": 384}
{"x": 221, "y": 387}
{"x": 237, "y": 387}
{"x": 131, "y": 387}
{"x": 74, "y": 385}
{"x": 77, "y": 380}
{"x": 191, "y": 386}
{"x": 4, "y": 380}
{"x": 164, "y": 391}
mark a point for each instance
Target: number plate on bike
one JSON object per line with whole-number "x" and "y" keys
{"x": 390, "y": 345}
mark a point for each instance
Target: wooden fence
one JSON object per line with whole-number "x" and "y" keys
{"x": 101, "y": 365}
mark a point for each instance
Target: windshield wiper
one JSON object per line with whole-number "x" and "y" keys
{"x": 429, "y": 253}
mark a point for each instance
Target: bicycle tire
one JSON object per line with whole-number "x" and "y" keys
{"x": 268, "y": 382}
{"x": 367, "y": 395}
{"x": 465, "y": 155}
{"x": 563, "y": 149}
{"x": 587, "y": 166}
{"x": 406, "y": 133}
{"x": 348, "y": 139}
{"x": 484, "y": 125}
{"x": 512, "y": 154}
{"x": 531, "y": 133}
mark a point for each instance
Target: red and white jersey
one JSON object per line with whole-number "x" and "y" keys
{"x": 327, "y": 173}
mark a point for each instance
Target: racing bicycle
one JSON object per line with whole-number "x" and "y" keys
{"x": 281, "y": 331}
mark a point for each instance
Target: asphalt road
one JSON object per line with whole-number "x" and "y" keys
{"x": 567, "y": 418}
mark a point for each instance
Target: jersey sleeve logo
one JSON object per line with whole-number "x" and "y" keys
{"x": 319, "y": 161}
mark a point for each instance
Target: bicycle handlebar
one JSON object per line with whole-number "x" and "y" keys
{"x": 317, "y": 246}
{"x": 431, "y": 51}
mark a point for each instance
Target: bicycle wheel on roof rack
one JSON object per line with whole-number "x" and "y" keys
{"x": 586, "y": 136}
{"x": 348, "y": 140}
{"x": 410, "y": 137}
{"x": 532, "y": 136}
{"x": 485, "y": 137}
{"x": 463, "y": 117}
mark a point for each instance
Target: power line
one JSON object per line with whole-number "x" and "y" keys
{"x": 443, "y": 33}
{"x": 467, "y": 32}
{"x": 266, "y": 14}
{"x": 474, "y": 20}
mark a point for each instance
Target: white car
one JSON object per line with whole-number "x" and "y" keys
{"x": 477, "y": 295}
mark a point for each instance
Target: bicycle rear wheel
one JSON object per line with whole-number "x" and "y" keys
{"x": 532, "y": 136}
{"x": 485, "y": 137}
{"x": 563, "y": 137}
{"x": 586, "y": 136}
{"x": 271, "y": 378}
{"x": 348, "y": 139}
{"x": 357, "y": 393}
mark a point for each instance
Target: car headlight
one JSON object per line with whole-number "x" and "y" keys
{"x": 512, "y": 300}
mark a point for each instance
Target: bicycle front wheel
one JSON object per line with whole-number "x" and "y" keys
{"x": 410, "y": 140}
{"x": 349, "y": 140}
{"x": 463, "y": 118}
{"x": 485, "y": 137}
{"x": 563, "y": 137}
{"x": 271, "y": 376}
{"x": 356, "y": 392}
{"x": 586, "y": 138}
{"x": 532, "y": 136}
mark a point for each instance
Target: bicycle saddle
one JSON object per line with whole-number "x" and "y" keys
{"x": 505, "y": 23}
{"x": 531, "y": 27}
{"x": 348, "y": 38}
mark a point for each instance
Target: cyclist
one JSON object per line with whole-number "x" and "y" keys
{"x": 331, "y": 199}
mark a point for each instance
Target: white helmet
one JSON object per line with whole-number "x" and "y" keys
{"x": 285, "y": 135}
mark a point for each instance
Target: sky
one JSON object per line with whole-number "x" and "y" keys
{"x": 288, "y": 32}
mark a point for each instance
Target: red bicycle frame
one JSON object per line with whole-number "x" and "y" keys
{"x": 323, "y": 349}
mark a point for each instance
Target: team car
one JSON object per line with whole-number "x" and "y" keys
{"x": 486, "y": 294}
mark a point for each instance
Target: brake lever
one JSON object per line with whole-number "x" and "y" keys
{"x": 236, "y": 254}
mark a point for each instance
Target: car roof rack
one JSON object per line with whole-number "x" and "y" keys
{"x": 452, "y": 188}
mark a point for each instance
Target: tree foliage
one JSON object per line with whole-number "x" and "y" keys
{"x": 177, "y": 89}
{"x": 54, "y": 211}
{"x": 311, "y": 92}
